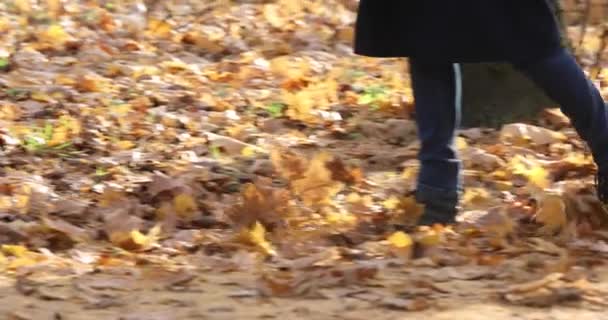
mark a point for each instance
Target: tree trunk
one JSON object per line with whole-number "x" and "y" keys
{"x": 495, "y": 94}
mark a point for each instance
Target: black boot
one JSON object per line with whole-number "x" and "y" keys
{"x": 438, "y": 215}
{"x": 438, "y": 209}
{"x": 601, "y": 187}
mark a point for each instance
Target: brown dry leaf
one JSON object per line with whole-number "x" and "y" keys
{"x": 411, "y": 209}
{"x": 522, "y": 133}
{"x": 534, "y": 285}
{"x": 402, "y": 304}
{"x": 185, "y": 207}
{"x": 317, "y": 186}
{"x": 119, "y": 225}
{"x": 55, "y": 7}
{"x": 231, "y": 146}
{"x": 556, "y": 117}
{"x": 163, "y": 183}
{"x": 260, "y": 202}
{"x": 341, "y": 172}
{"x": 275, "y": 286}
{"x": 288, "y": 164}
{"x": 326, "y": 257}
{"x": 75, "y": 233}
{"x": 479, "y": 158}
{"x": 546, "y": 292}
{"x": 494, "y": 221}
{"x": 203, "y": 41}
{"x": 551, "y": 213}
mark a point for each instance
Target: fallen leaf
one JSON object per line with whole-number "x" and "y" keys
{"x": 256, "y": 235}
{"x": 551, "y": 213}
{"x": 401, "y": 244}
{"x": 402, "y": 304}
{"x": 260, "y": 203}
{"x": 522, "y": 133}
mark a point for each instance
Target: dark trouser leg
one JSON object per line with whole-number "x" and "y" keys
{"x": 437, "y": 93}
{"x": 565, "y": 82}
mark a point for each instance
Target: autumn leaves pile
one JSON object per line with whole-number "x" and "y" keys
{"x": 241, "y": 134}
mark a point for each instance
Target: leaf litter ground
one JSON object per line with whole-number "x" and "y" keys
{"x": 219, "y": 160}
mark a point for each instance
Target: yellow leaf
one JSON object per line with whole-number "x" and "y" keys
{"x": 391, "y": 203}
{"x": 6, "y": 203}
{"x": 71, "y": 124}
{"x": 145, "y": 241}
{"x": 145, "y": 71}
{"x": 121, "y": 109}
{"x": 41, "y": 96}
{"x": 21, "y": 262}
{"x": 475, "y": 196}
{"x": 257, "y": 236}
{"x": 21, "y": 202}
{"x": 60, "y": 136}
{"x": 55, "y": 34}
{"x": 24, "y": 6}
{"x": 125, "y": 144}
{"x": 185, "y": 206}
{"x": 174, "y": 66}
{"x": 428, "y": 238}
{"x": 248, "y": 152}
{"x": 409, "y": 173}
{"x": 340, "y": 218}
{"x": 531, "y": 169}
{"x": 159, "y": 28}
{"x": 3, "y": 259}
{"x": 62, "y": 79}
{"x": 272, "y": 15}
{"x": 15, "y": 250}
{"x": 401, "y": 244}
{"x": 461, "y": 143}
{"x": 400, "y": 239}
{"x": 55, "y": 7}
{"x": 552, "y": 213}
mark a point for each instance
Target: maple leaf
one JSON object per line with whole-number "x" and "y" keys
{"x": 317, "y": 187}
{"x": 288, "y": 164}
{"x": 256, "y": 235}
{"x": 260, "y": 203}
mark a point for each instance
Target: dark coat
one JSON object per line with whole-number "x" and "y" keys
{"x": 457, "y": 30}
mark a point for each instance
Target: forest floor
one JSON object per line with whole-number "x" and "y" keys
{"x": 220, "y": 160}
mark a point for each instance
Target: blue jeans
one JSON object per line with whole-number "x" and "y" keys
{"x": 438, "y": 95}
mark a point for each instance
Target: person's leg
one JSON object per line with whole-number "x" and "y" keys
{"x": 437, "y": 94}
{"x": 565, "y": 82}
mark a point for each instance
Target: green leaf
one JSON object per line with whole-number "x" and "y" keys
{"x": 216, "y": 152}
{"x": 64, "y": 145}
{"x": 276, "y": 109}
{"x": 15, "y": 92}
{"x": 48, "y": 131}
{"x": 366, "y": 99}
{"x": 4, "y": 63}
{"x": 100, "y": 172}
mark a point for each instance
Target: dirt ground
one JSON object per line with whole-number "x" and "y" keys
{"x": 154, "y": 293}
